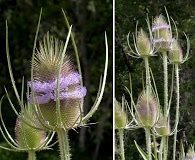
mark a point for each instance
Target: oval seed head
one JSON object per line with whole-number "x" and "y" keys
{"x": 147, "y": 109}
{"x": 120, "y": 116}
{"x": 190, "y": 154}
{"x": 175, "y": 54}
{"x": 45, "y": 73}
{"x": 162, "y": 34}
{"x": 28, "y": 137}
{"x": 163, "y": 126}
{"x": 143, "y": 44}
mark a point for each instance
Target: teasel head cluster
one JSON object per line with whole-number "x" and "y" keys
{"x": 55, "y": 94}
{"x": 56, "y": 88}
{"x": 51, "y": 85}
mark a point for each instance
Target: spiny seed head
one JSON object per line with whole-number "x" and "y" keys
{"x": 162, "y": 34}
{"x": 47, "y": 60}
{"x": 45, "y": 73}
{"x": 28, "y": 137}
{"x": 163, "y": 126}
{"x": 147, "y": 110}
{"x": 190, "y": 154}
{"x": 143, "y": 44}
{"x": 175, "y": 54}
{"x": 120, "y": 116}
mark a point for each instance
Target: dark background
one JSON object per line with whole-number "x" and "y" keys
{"x": 90, "y": 20}
{"x": 127, "y": 13}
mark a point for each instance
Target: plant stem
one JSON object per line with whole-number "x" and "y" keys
{"x": 155, "y": 147}
{"x": 148, "y": 84}
{"x": 177, "y": 110}
{"x": 63, "y": 144}
{"x": 121, "y": 139}
{"x": 165, "y": 70}
{"x": 147, "y": 72}
{"x": 148, "y": 143}
{"x": 31, "y": 155}
{"x": 164, "y": 141}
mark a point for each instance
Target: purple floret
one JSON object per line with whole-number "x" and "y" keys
{"x": 46, "y": 91}
{"x": 79, "y": 92}
{"x": 162, "y": 26}
{"x": 162, "y": 40}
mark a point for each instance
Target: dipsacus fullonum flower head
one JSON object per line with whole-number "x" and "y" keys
{"x": 176, "y": 55}
{"x": 143, "y": 44}
{"x": 147, "y": 109}
{"x": 163, "y": 125}
{"x": 120, "y": 116}
{"x": 161, "y": 33}
{"x": 27, "y": 136}
{"x": 49, "y": 86}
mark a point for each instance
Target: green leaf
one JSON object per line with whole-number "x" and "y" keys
{"x": 144, "y": 155}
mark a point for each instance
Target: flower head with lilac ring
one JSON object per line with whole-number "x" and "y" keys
{"x": 46, "y": 91}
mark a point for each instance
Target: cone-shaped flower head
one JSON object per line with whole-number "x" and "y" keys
{"x": 190, "y": 154}
{"x": 27, "y": 137}
{"x": 120, "y": 116}
{"x": 162, "y": 34}
{"x": 143, "y": 44}
{"x": 175, "y": 54}
{"x": 45, "y": 73}
{"x": 147, "y": 109}
{"x": 162, "y": 126}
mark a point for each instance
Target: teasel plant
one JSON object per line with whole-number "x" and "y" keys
{"x": 148, "y": 113}
{"x": 56, "y": 89}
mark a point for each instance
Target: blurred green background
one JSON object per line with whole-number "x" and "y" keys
{"x": 127, "y": 13}
{"x": 90, "y": 20}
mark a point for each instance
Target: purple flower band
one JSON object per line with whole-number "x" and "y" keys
{"x": 193, "y": 158}
{"x": 46, "y": 91}
{"x": 163, "y": 26}
{"x": 45, "y": 87}
{"x": 162, "y": 40}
